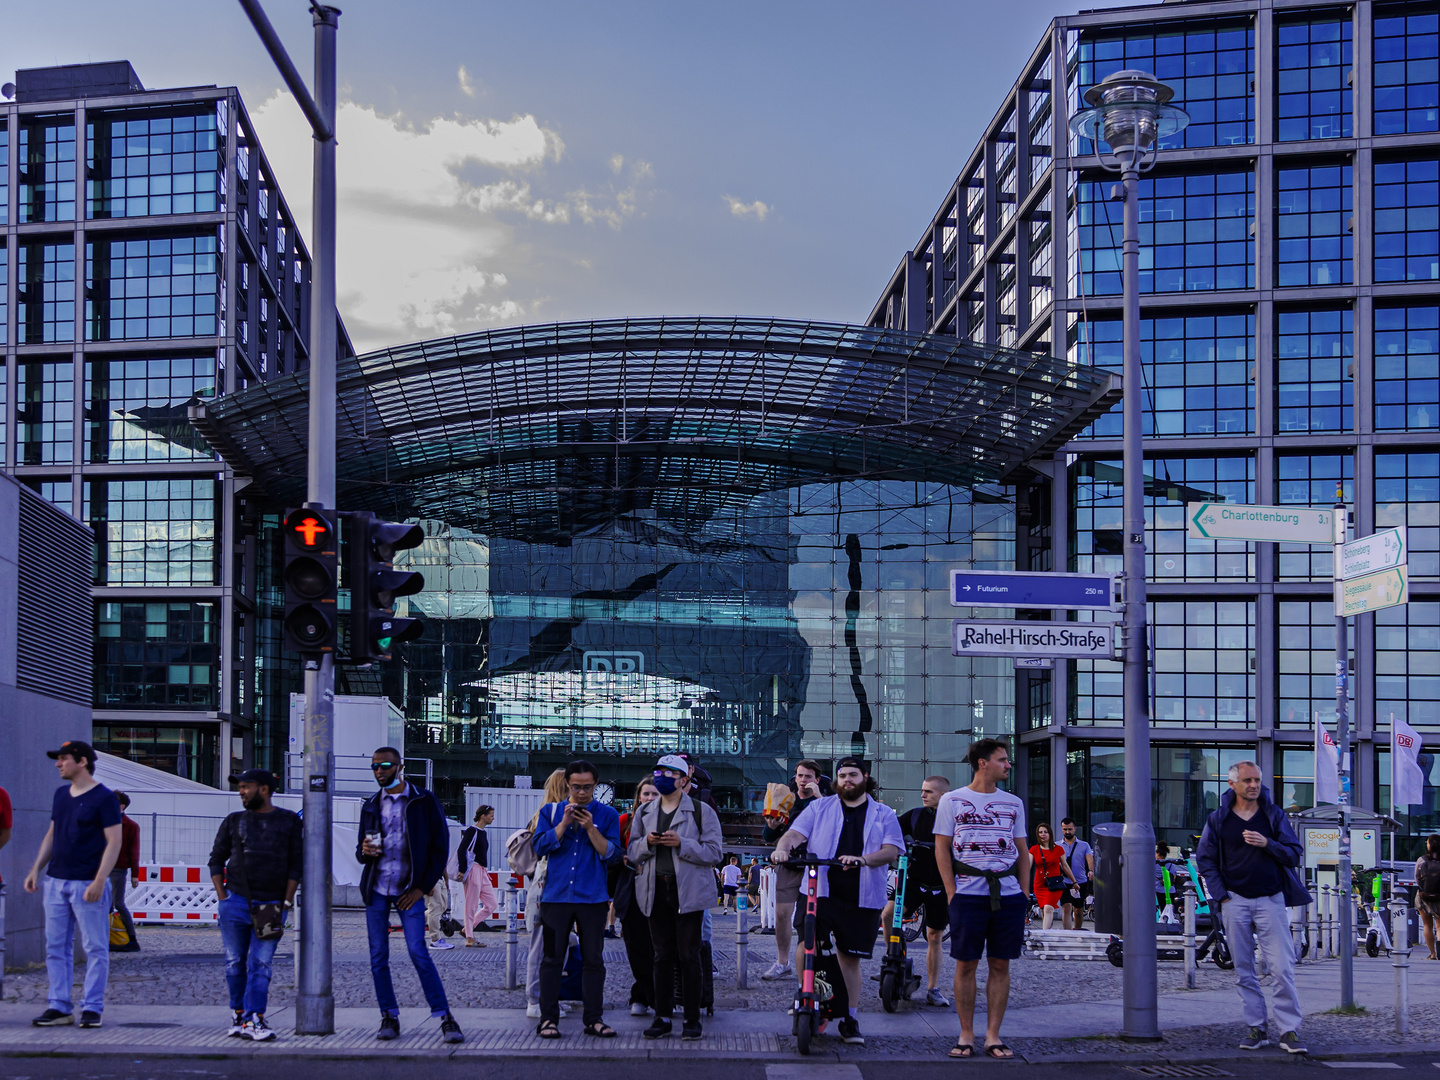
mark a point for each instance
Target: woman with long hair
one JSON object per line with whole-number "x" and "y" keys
{"x": 472, "y": 863}
{"x": 1051, "y": 871}
{"x": 556, "y": 790}
{"x": 638, "y": 948}
{"x": 1427, "y": 896}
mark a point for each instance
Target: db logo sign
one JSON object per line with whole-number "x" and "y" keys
{"x": 1405, "y": 740}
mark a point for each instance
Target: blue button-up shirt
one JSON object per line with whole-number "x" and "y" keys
{"x": 576, "y": 871}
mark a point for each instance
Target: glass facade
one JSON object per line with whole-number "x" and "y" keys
{"x": 46, "y": 414}
{"x": 152, "y": 287}
{"x": 1322, "y": 370}
{"x": 45, "y": 293}
{"x": 153, "y": 531}
{"x": 156, "y": 654}
{"x": 1407, "y": 220}
{"x": 136, "y": 408}
{"x": 1194, "y": 234}
{"x": 150, "y": 162}
{"x": 47, "y": 157}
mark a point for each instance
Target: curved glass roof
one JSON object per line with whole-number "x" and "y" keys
{"x": 537, "y": 432}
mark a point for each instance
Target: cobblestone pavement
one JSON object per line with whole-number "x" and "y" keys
{"x": 185, "y": 966}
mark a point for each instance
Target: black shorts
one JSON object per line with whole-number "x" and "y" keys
{"x": 937, "y": 911}
{"x": 851, "y": 926}
{"x": 976, "y": 931}
{"x": 1068, "y": 899}
{"x": 730, "y": 890}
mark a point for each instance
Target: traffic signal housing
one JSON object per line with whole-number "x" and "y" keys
{"x": 375, "y": 585}
{"x": 311, "y": 564}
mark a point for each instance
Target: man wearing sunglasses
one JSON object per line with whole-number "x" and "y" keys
{"x": 403, "y": 846}
{"x": 580, "y": 838}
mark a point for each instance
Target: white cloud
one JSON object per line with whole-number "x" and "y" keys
{"x": 757, "y": 209}
{"x": 427, "y": 213}
{"x": 617, "y": 163}
{"x": 466, "y": 86}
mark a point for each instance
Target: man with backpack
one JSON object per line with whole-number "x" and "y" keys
{"x": 1248, "y": 856}
{"x": 255, "y": 866}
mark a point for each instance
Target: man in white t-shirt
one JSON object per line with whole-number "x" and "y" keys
{"x": 984, "y": 863}
{"x": 730, "y": 881}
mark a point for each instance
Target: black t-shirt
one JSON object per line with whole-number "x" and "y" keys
{"x": 1247, "y": 870}
{"x": 80, "y": 821}
{"x": 664, "y": 855}
{"x": 918, "y": 827}
{"x": 845, "y": 884}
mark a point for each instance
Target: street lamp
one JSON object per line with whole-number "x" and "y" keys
{"x": 1130, "y": 116}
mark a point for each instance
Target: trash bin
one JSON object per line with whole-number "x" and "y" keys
{"x": 1109, "y": 905}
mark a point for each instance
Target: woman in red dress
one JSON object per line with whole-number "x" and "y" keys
{"x": 1051, "y": 871}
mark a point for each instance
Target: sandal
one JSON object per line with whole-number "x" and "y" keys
{"x": 600, "y": 1030}
{"x": 547, "y": 1029}
{"x": 1000, "y": 1052}
{"x": 962, "y": 1050}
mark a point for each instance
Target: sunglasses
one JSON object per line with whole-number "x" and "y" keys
{"x": 376, "y": 766}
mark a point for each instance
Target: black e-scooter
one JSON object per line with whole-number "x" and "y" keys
{"x": 897, "y": 971}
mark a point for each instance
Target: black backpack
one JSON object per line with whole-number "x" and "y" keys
{"x": 1427, "y": 876}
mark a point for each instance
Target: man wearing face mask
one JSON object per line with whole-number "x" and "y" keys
{"x": 256, "y": 859}
{"x": 404, "y": 844}
{"x": 865, "y": 836}
{"x": 675, "y": 843}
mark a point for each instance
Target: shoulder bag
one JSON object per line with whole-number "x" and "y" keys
{"x": 267, "y": 916}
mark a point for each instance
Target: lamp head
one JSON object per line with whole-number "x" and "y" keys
{"x": 1129, "y": 113}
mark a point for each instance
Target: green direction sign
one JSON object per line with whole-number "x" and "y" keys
{"x": 1371, "y": 593}
{"x": 1385, "y": 550}
{"x": 1287, "y": 524}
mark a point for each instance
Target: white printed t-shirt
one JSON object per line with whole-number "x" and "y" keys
{"x": 983, "y": 827}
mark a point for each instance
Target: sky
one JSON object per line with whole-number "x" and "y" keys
{"x": 508, "y": 163}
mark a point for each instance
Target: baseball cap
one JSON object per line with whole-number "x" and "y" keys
{"x": 853, "y": 763}
{"x": 256, "y": 776}
{"x": 673, "y": 761}
{"x": 75, "y": 749}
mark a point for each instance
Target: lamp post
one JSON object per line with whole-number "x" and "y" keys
{"x": 1129, "y": 114}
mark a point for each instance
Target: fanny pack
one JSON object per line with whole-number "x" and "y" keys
{"x": 992, "y": 877}
{"x": 268, "y": 918}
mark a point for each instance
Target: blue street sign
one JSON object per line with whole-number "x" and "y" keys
{"x": 1002, "y": 588}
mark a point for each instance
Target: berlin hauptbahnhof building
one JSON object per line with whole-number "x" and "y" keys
{"x": 734, "y": 536}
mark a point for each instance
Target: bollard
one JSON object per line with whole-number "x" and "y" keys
{"x": 1190, "y": 967}
{"x": 512, "y": 936}
{"x": 1312, "y": 917}
{"x": 1400, "y": 957}
{"x": 2, "y": 941}
{"x": 1328, "y": 946}
{"x": 742, "y": 940}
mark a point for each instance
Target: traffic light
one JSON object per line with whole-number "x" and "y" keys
{"x": 375, "y": 584}
{"x": 310, "y": 581}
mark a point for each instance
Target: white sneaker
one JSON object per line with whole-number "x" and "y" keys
{"x": 532, "y": 1011}
{"x": 636, "y": 1009}
{"x": 256, "y": 1030}
{"x": 237, "y": 1024}
{"x": 441, "y": 943}
{"x": 778, "y": 971}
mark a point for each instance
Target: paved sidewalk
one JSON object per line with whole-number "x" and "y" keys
{"x": 1198, "y": 1025}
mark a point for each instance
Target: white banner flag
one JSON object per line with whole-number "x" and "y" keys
{"x": 1327, "y": 766}
{"x": 1407, "y": 782}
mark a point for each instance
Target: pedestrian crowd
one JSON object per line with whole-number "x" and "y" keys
{"x": 653, "y": 875}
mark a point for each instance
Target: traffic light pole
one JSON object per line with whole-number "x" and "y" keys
{"x": 315, "y": 1001}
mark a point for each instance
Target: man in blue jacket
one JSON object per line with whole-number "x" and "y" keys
{"x": 1247, "y": 855}
{"x": 403, "y": 845}
{"x": 579, "y": 838}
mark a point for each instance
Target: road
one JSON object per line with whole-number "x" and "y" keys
{"x": 1415, "y": 1067}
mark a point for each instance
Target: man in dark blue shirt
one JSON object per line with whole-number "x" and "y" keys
{"x": 578, "y": 838}
{"x": 80, "y": 848}
{"x": 1247, "y": 855}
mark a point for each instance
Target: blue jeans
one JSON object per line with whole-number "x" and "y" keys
{"x": 377, "y": 927}
{"x": 247, "y": 958}
{"x": 65, "y": 910}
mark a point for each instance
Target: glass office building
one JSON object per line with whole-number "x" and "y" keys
{"x": 1290, "y": 326}
{"x": 147, "y": 261}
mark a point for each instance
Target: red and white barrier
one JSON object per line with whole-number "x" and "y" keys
{"x": 173, "y": 894}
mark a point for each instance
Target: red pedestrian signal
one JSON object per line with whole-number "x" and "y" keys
{"x": 309, "y": 530}
{"x": 310, "y": 579}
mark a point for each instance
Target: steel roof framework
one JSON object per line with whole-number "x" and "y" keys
{"x": 536, "y": 431}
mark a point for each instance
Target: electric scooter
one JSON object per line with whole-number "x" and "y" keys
{"x": 1377, "y": 936}
{"x": 897, "y": 971}
{"x": 807, "y": 1019}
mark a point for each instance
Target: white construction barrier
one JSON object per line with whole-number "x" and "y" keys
{"x": 173, "y": 894}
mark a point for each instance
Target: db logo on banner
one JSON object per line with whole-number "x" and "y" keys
{"x": 1406, "y": 741}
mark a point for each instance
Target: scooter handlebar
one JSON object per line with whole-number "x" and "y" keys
{"x": 810, "y": 860}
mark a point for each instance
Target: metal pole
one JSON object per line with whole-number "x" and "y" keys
{"x": 1137, "y": 841}
{"x": 1190, "y": 965}
{"x": 315, "y": 1001}
{"x": 1342, "y": 724}
{"x": 513, "y": 887}
{"x": 1400, "y": 957}
{"x": 742, "y": 939}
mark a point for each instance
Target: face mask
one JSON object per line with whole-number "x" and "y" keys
{"x": 665, "y": 784}
{"x": 392, "y": 785}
